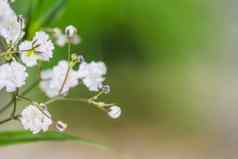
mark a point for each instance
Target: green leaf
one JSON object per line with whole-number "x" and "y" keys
{"x": 51, "y": 15}
{"x": 24, "y": 137}
{"x": 3, "y": 44}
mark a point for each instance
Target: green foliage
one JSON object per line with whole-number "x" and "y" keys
{"x": 24, "y": 137}
{"x": 36, "y": 21}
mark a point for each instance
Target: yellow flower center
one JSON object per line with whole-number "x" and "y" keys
{"x": 30, "y": 53}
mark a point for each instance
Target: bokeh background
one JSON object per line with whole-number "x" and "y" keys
{"x": 172, "y": 68}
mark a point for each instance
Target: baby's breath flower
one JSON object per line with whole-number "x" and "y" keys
{"x": 92, "y": 74}
{"x": 54, "y": 82}
{"x": 114, "y": 111}
{"x": 61, "y": 126}
{"x": 35, "y": 120}
{"x": 106, "y": 89}
{"x": 10, "y": 27}
{"x": 59, "y": 38}
{"x": 41, "y": 48}
{"x": 70, "y": 31}
{"x": 12, "y": 76}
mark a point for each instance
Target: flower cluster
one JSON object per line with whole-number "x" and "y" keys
{"x": 18, "y": 53}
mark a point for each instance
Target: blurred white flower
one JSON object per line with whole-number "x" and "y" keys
{"x": 75, "y": 39}
{"x": 54, "y": 81}
{"x": 92, "y": 74}
{"x": 41, "y": 48}
{"x": 35, "y": 120}
{"x": 114, "y": 112}
{"x": 61, "y": 126}
{"x": 12, "y": 76}
{"x": 10, "y": 27}
{"x": 70, "y": 31}
{"x": 59, "y": 38}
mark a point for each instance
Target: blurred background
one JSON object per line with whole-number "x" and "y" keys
{"x": 172, "y": 69}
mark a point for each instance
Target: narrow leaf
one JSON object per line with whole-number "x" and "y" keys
{"x": 49, "y": 16}
{"x": 24, "y": 137}
{"x": 3, "y": 44}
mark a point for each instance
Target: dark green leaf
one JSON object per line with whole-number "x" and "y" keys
{"x": 24, "y": 137}
{"x": 51, "y": 15}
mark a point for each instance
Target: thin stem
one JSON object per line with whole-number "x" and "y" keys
{"x": 88, "y": 101}
{"x": 65, "y": 80}
{"x": 25, "y": 98}
{"x": 21, "y": 94}
{"x": 15, "y": 103}
{"x": 66, "y": 99}
{"x": 15, "y": 117}
{"x": 97, "y": 96}
{"x": 68, "y": 70}
{"x": 69, "y": 51}
{"x": 6, "y": 120}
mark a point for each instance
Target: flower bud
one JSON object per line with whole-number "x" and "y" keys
{"x": 114, "y": 112}
{"x": 70, "y": 31}
{"x": 21, "y": 21}
{"x": 106, "y": 89}
{"x": 81, "y": 58}
{"x": 61, "y": 126}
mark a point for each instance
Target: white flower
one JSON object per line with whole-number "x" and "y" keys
{"x": 59, "y": 80}
{"x": 35, "y": 120}
{"x": 59, "y": 38}
{"x": 73, "y": 37}
{"x": 92, "y": 74}
{"x": 114, "y": 112}
{"x": 40, "y": 48}
{"x": 70, "y": 31}
{"x": 10, "y": 28}
{"x": 12, "y": 76}
{"x": 61, "y": 126}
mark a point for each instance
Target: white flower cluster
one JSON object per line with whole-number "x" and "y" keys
{"x": 19, "y": 54}
{"x": 61, "y": 39}
{"x": 35, "y": 119}
{"x": 10, "y": 26}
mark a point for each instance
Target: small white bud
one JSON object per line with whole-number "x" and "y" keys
{"x": 114, "y": 112}
{"x": 21, "y": 21}
{"x": 61, "y": 126}
{"x": 106, "y": 89}
{"x": 81, "y": 58}
{"x": 70, "y": 31}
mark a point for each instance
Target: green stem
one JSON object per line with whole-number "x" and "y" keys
{"x": 15, "y": 103}
{"x": 69, "y": 51}
{"x": 25, "y": 98}
{"x": 6, "y": 120}
{"x": 68, "y": 70}
{"x": 88, "y": 101}
{"x": 15, "y": 117}
{"x": 21, "y": 94}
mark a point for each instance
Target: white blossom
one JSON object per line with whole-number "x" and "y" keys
{"x": 12, "y": 76}
{"x": 70, "y": 31}
{"x": 70, "y": 36}
{"x": 61, "y": 126}
{"x": 59, "y": 38}
{"x": 35, "y": 120}
{"x": 114, "y": 112}
{"x": 59, "y": 79}
{"x": 92, "y": 74}
{"x": 10, "y": 27}
{"x": 40, "y": 48}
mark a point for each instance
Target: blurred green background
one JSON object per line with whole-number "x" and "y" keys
{"x": 159, "y": 56}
